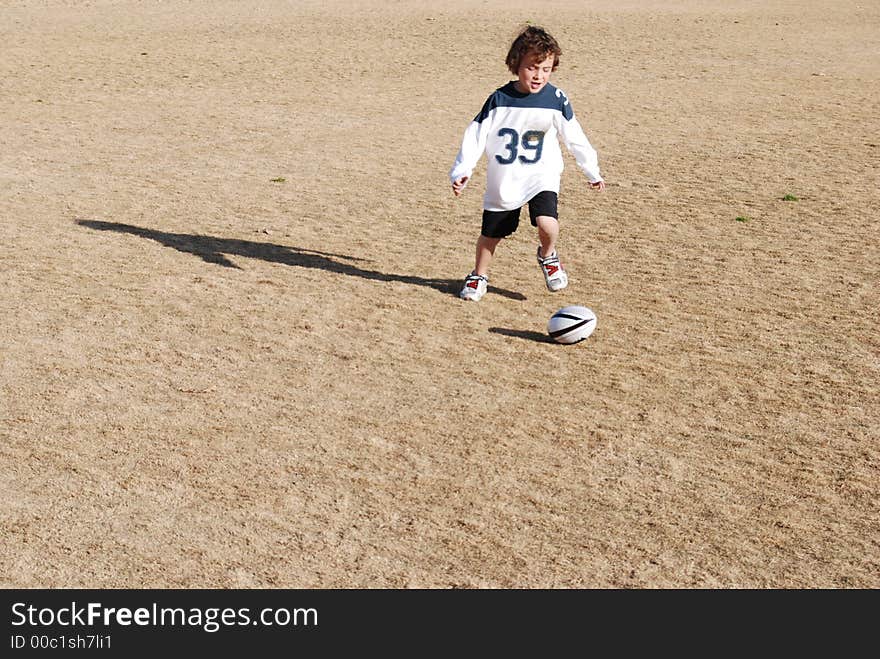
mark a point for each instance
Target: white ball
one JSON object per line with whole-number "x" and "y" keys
{"x": 571, "y": 324}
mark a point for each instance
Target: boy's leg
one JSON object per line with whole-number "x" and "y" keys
{"x": 476, "y": 284}
{"x": 548, "y": 232}
{"x": 496, "y": 225}
{"x": 543, "y": 211}
{"x": 548, "y": 258}
{"x": 485, "y": 251}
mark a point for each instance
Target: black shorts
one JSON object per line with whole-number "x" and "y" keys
{"x": 500, "y": 224}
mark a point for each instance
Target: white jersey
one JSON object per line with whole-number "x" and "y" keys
{"x": 519, "y": 133}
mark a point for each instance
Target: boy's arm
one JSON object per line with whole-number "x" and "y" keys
{"x": 584, "y": 154}
{"x": 472, "y": 146}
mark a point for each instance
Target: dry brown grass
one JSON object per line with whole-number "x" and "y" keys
{"x": 213, "y": 379}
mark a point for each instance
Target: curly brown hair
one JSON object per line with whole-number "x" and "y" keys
{"x": 532, "y": 41}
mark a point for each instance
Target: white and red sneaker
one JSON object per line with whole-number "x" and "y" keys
{"x": 474, "y": 287}
{"x": 554, "y": 274}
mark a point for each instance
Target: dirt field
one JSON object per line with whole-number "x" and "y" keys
{"x": 233, "y": 354}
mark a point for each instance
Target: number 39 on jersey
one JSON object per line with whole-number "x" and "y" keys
{"x": 531, "y": 142}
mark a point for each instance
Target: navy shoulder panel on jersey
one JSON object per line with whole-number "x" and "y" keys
{"x": 550, "y": 98}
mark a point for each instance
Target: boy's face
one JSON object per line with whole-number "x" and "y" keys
{"x": 534, "y": 72}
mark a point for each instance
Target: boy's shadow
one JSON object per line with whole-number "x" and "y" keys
{"x": 213, "y": 250}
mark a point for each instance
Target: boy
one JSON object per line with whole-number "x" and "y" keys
{"x": 517, "y": 128}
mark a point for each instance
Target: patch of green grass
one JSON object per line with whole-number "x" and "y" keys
{"x": 789, "y": 197}
{"x": 278, "y": 179}
{"x": 743, "y": 218}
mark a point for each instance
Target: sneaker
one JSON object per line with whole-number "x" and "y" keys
{"x": 474, "y": 287}
{"x": 554, "y": 273}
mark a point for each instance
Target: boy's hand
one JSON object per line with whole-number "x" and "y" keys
{"x": 458, "y": 185}
{"x": 598, "y": 185}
